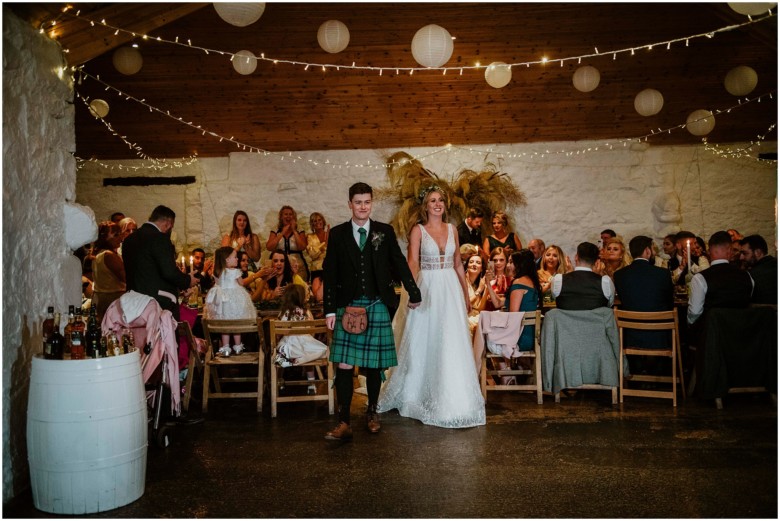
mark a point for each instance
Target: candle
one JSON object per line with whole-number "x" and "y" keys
{"x": 689, "y": 254}
{"x": 191, "y": 264}
{"x": 182, "y": 261}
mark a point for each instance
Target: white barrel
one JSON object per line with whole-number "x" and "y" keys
{"x": 86, "y": 433}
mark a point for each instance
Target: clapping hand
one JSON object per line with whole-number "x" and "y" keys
{"x": 208, "y": 266}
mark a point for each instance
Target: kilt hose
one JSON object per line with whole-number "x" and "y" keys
{"x": 374, "y": 348}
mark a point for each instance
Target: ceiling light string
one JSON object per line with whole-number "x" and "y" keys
{"x": 740, "y": 153}
{"x": 411, "y": 70}
{"x": 611, "y": 144}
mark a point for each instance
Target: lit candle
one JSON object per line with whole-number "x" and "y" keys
{"x": 191, "y": 264}
{"x": 689, "y": 255}
{"x": 182, "y": 261}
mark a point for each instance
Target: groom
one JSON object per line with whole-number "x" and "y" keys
{"x": 361, "y": 254}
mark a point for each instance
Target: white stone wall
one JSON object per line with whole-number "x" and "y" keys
{"x": 570, "y": 198}
{"x": 38, "y": 178}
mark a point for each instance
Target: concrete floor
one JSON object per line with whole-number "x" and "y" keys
{"x": 580, "y": 458}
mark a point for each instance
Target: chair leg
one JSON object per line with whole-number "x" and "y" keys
{"x": 331, "y": 393}
{"x": 680, "y": 372}
{"x": 621, "y": 376}
{"x": 614, "y": 396}
{"x": 274, "y": 388}
{"x": 260, "y": 379}
{"x": 558, "y": 397}
{"x": 718, "y": 403}
{"x": 188, "y": 382}
{"x": 206, "y": 381}
{"x": 538, "y": 379}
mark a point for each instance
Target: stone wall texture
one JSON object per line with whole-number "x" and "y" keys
{"x": 39, "y": 176}
{"x": 571, "y": 198}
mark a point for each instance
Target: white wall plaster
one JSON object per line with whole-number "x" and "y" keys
{"x": 38, "y": 178}
{"x": 80, "y": 225}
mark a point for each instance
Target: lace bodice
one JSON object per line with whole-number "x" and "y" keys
{"x": 431, "y": 257}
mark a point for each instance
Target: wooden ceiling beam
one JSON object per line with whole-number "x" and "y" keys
{"x": 84, "y": 43}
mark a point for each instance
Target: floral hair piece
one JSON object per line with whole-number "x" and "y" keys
{"x": 426, "y": 190}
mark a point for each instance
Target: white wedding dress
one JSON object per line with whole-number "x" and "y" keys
{"x": 435, "y": 380}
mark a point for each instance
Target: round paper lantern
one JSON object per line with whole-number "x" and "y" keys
{"x": 740, "y": 81}
{"x": 586, "y": 78}
{"x": 648, "y": 102}
{"x": 98, "y": 108}
{"x": 700, "y": 122}
{"x": 498, "y": 74}
{"x": 752, "y": 8}
{"x": 244, "y": 62}
{"x": 128, "y": 60}
{"x": 333, "y": 36}
{"x": 240, "y": 14}
{"x": 432, "y": 46}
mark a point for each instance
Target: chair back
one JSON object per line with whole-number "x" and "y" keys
{"x": 647, "y": 320}
{"x": 228, "y": 326}
{"x": 280, "y": 328}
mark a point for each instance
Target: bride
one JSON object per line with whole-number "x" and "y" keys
{"x": 435, "y": 380}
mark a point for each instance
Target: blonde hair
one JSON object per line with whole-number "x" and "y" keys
{"x": 625, "y": 260}
{"x": 561, "y": 259}
{"x": 421, "y": 213}
{"x": 295, "y": 216}
{"x": 313, "y": 216}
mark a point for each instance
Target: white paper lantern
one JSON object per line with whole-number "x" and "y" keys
{"x": 498, "y": 74}
{"x": 700, "y": 122}
{"x": 740, "y": 81}
{"x": 98, "y": 108}
{"x": 586, "y": 79}
{"x": 244, "y": 62}
{"x": 333, "y": 36}
{"x": 128, "y": 60}
{"x": 240, "y": 14}
{"x": 648, "y": 102}
{"x": 752, "y": 8}
{"x": 432, "y": 46}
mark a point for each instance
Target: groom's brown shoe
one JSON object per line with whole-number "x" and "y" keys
{"x": 372, "y": 420}
{"x": 342, "y": 432}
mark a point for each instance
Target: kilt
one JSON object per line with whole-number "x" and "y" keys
{"x": 374, "y": 348}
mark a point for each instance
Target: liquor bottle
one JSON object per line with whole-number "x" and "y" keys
{"x": 77, "y": 345}
{"x": 93, "y": 335}
{"x": 69, "y": 328}
{"x": 47, "y": 328}
{"x": 103, "y": 347}
{"x": 128, "y": 341}
{"x": 79, "y": 324}
{"x": 56, "y": 343}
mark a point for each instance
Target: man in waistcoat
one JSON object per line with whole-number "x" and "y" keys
{"x": 722, "y": 285}
{"x": 362, "y": 259}
{"x": 582, "y": 289}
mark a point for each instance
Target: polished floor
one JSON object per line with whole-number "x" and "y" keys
{"x": 582, "y": 458}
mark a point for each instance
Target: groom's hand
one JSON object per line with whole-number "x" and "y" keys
{"x": 413, "y": 305}
{"x": 330, "y": 322}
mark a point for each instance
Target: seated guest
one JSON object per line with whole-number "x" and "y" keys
{"x": 524, "y": 294}
{"x": 699, "y": 252}
{"x": 241, "y": 237}
{"x": 317, "y": 247}
{"x": 537, "y": 247}
{"x": 288, "y": 239}
{"x": 679, "y": 274}
{"x": 108, "y": 269}
{"x": 762, "y": 268}
{"x": 470, "y": 230}
{"x": 604, "y": 236}
{"x": 641, "y": 286}
{"x": 466, "y": 251}
{"x": 272, "y": 288}
{"x": 720, "y": 286}
{"x": 203, "y": 269}
{"x": 670, "y": 250}
{"x": 497, "y": 277}
{"x": 615, "y": 256}
{"x": 583, "y": 289}
{"x": 552, "y": 263}
{"x": 501, "y": 237}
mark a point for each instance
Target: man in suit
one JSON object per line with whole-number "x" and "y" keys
{"x": 641, "y": 286}
{"x": 537, "y": 248}
{"x": 582, "y": 289}
{"x": 762, "y": 268}
{"x": 150, "y": 261}
{"x": 470, "y": 230}
{"x": 362, "y": 260}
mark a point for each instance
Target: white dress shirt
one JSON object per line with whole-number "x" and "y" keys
{"x": 607, "y": 287}
{"x": 699, "y": 293}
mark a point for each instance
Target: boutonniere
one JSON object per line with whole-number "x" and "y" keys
{"x": 376, "y": 240}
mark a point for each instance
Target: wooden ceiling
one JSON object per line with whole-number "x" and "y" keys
{"x": 283, "y": 107}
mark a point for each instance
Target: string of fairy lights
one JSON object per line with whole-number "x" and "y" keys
{"x": 738, "y": 153}
{"x": 187, "y": 42}
{"x": 154, "y": 163}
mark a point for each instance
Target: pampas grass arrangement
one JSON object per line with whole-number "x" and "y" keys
{"x": 489, "y": 190}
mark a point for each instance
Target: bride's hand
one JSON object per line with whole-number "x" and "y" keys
{"x": 413, "y": 305}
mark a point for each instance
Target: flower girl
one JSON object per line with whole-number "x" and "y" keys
{"x": 228, "y": 300}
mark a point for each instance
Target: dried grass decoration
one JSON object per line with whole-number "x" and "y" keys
{"x": 489, "y": 190}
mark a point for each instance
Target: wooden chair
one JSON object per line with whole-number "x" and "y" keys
{"x": 195, "y": 363}
{"x": 213, "y": 363}
{"x": 280, "y": 328}
{"x": 529, "y": 320}
{"x": 651, "y": 321}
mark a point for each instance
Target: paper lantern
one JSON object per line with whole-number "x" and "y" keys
{"x": 586, "y": 78}
{"x": 648, "y": 102}
{"x": 244, "y": 62}
{"x": 498, "y": 74}
{"x": 98, "y": 108}
{"x": 333, "y": 36}
{"x": 752, "y": 8}
{"x": 700, "y": 122}
{"x": 240, "y": 14}
{"x": 128, "y": 60}
{"x": 432, "y": 46}
{"x": 740, "y": 81}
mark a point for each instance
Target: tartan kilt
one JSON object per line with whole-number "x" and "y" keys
{"x": 374, "y": 348}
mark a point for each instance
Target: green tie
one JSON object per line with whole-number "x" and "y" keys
{"x": 363, "y": 237}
